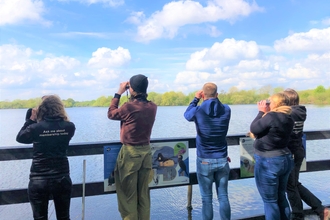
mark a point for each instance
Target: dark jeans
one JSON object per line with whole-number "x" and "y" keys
{"x": 58, "y": 189}
{"x": 297, "y": 192}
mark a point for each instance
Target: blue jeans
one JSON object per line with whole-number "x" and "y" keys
{"x": 271, "y": 176}
{"x": 209, "y": 171}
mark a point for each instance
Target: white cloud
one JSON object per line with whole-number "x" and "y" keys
{"x": 136, "y": 18}
{"x": 74, "y": 34}
{"x": 105, "y": 57}
{"x": 19, "y": 11}
{"x": 106, "y": 74}
{"x": 23, "y": 68}
{"x": 111, "y": 3}
{"x": 314, "y": 67}
{"x": 222, "y": 53}
{"x": 321, "y": 61}
{"x": 13, "y": 57}
{"x": 313, "y": 40}
{"x": 245, "y": 65}
{"x": 20, "y": 65}
{"x": 213, "y": 31}
{"x": 85, "y": 83}
{"x": 51, "y": 65}
{"x": 190, "y": 77}
{"x": 253, "y": 65}
{"x": 300, "y": 72}
{"x": 12, "y": 79}
{"x": 55, "y": 81}
{"x": 326, "y": 21}
{"x": 165, "y": 23}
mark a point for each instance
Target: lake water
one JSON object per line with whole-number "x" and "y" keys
{"x": 92, "y": 125}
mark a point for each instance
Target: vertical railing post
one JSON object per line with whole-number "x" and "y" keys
{"x": 83, "y": 190}
{"x": 189, "y": 206}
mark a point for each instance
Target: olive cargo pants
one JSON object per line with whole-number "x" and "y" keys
{"x": 132, "y": 176}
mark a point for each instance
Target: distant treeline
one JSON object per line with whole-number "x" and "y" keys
{"x": 317, "y": 96}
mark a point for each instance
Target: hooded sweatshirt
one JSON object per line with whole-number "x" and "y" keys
{"x": 298, "y": 115}
{"x": 212, "y": 121}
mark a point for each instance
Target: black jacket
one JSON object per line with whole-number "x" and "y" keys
{"x": 272, "y": 133}
{"x": 50, "y": 139}
{"x": 298, "y": 115}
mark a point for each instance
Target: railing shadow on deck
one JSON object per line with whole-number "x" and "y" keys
{"x": 16, "y": 196}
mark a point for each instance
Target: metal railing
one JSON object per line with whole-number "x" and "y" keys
{"x": 15, "y": 196}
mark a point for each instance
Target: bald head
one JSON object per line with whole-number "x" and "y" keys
{"x": 210, "y": 90}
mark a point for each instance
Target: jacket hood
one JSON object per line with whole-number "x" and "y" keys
{"x": 212, "y": 107}
{"x": 299, "y": 112}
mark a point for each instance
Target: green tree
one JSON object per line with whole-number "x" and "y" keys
{"x": 266, "y": 90}
{"x": 320, "y": 95}
{"x": 102, "y": 102}
{"x": 123, "y": 99}
{"x": 224, "y": 97}
{"x": 69, "y": 103}
{"x": 169, "y": 98}
{"x": 155, "y": 97}
{"x": 180, "y": 99}
{"x": 319, "y": 89}
{"x": 278, "y": 89}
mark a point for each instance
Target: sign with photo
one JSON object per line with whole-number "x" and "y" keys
{"x": 246, "y": 157}
{"x": 170, "y": 164}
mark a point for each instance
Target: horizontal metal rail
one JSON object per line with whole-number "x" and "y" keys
{"x": 15, "y": 196}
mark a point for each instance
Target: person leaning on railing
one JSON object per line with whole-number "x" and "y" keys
{"x": 49, "y": 129}
{"x": 272, "y": 128}
{"x": 134, "y": 162}
{"x": 295, "y": 190}
{"x": 212, "y": 121}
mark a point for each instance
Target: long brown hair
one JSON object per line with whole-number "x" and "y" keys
{"x": 51, "y": 106}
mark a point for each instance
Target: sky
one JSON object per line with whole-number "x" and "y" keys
{"x": 83, "y": 49}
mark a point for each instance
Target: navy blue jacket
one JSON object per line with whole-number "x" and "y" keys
{"x": 272, "y": 133}
{"x": 212, "y": 121}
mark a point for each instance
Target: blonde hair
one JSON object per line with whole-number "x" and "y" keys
{"x": 210, "y": 90}
{"x": 51, "y": 106}
{"x": 279, "y": 99}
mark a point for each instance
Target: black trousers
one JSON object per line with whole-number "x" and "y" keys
{"x": 297, "y": 192}
{"x": 40, "y": 191}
